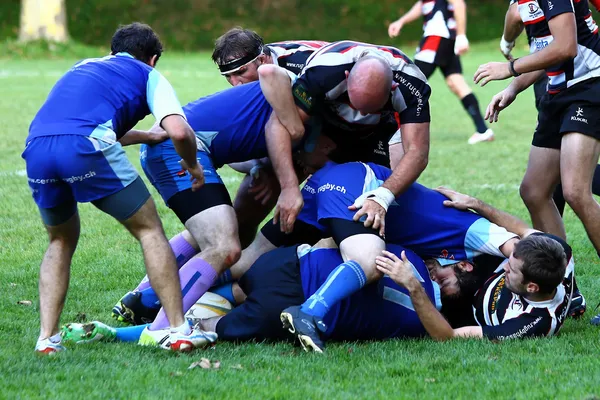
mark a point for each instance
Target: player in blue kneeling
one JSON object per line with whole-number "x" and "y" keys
{"x": 73, "y": 156}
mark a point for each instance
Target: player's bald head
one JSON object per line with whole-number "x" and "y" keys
{"x": 369, "y": 84}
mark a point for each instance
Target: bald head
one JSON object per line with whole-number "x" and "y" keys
{"x": 369, "y": 84}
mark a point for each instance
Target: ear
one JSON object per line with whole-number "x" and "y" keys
{"x": 532, "y": 288}
{"x": 264, "y": 59}
{"x": 465, "y": 266}
{"x": 153, "y": 60}
{"x": 347, "y": 73}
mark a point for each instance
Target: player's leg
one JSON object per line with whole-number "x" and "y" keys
{"x": 215, "y": 231}
{"x": 540, "y": 180}
{"x": 578, "y": 161}
{"x": 250, "y": 212}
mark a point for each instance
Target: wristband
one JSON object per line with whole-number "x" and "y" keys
{"x": 511, "y": 67}
{"x": 506, "y": 46}
{"x": 382, "y": 196}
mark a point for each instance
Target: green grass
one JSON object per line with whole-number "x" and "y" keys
{"x": 108, "y": 263}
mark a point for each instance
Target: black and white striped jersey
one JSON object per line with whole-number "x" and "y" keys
{"x": 321, "y": 88}
{"x": 503, "y": 314}
{"x": 535, "y": 14}
{"x": 292, "y": 54}
{"x": 438, "y": 19}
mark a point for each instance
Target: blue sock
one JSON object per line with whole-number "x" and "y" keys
{"x": 225, "y": 291}
{"x": 343, "y": 281}
{"x": 149, "y": 298}
{"x": 130, "y": 333}
{"x": 224, "y": 278}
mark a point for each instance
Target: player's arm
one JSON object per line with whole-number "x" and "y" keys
{"x": 143, "y": 137}
{"x": 506, "y": 97}
{"x": 413, "y": 14}
{"x": 165, "y": 107}
{"x": 563, "y": 27}
{"x": 513, "y": 26}
{"x": 501, "y": 218}
{"x": 460, "y": 15}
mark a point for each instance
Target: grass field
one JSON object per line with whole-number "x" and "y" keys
{"x": 108, "y": 263}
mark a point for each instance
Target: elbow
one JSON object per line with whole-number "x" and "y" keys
{"x": 181, "y": 135}
{"x": 567, "y": 52}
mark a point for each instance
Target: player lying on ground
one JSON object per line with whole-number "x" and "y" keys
{"x": 238, "y": 53}
{"x": 354, "y": 89}
{"x": 444, "y": 41}
{"x": 72, "y": 156}
{"x": 566, "y": 142}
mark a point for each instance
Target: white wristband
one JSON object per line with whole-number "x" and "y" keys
{"x": 382, "y": 196}
{"x": 505, "y": 46}
{"x": 461, "y": 41}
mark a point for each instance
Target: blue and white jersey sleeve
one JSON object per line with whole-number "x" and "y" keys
{"x": 161, "y": 96}
{"x": 485, "y": 237}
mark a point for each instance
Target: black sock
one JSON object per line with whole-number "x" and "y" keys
{"x": 559, "y": 199}
{"x": 472, "y": 106}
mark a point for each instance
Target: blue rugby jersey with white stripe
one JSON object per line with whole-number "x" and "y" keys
{"x": 104, "y": 98}
{"x": 535, "y": 14}
{"x": 381, "y": 310}
{"x": 321, "y": 88}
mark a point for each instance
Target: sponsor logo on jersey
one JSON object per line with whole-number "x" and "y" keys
{"x": 328, "y": 187}
{"x": 497, "y": 291}
{"x": 530, "y": 12}
{"x": 302, "y": 94}
{"x": 309, "y": 189}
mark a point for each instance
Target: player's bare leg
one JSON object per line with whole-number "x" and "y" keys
{"x": 250, "y": 254}
{"x": 215, "y": 231}
{"x": 54, "y": 274}
{"x": 250, "y": 212}
{"x": 537, "y": 188}
{"x": 578, "y": 160}
{"x": 161, "y": 266}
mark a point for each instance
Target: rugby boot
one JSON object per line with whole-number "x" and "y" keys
{"x": 578, "y": 305}
{"x": 132, "y": 311}
{"x": 177, "y": 341}
{"x": 48, "y": 347}
{"x": 307, "y": 328}
{"x": 86, "y": 333}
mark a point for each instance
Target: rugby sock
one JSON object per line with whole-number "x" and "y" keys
{"x": 149, "y": 298}
{"x": 470, "y": 104}
{"x": 343, "y": 281}
{"x": 224, "y": 278}
{"x": 226, "y": 291}
{"x": 130, "y": 333}
{"x": 183, "y": 253}
{"x": 196, "y": 277}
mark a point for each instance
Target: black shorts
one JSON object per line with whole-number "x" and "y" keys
{"x": 576, "y": 109}
{"x": 272, "y": 284}
{"x": 342, "y": 229}
{"x": 186, "y": 204}
{"x": 540, "y": 90}
{"x": 369, "y": 146}
{"x": 302, "y": 233}
{"x": 436, "y": 51}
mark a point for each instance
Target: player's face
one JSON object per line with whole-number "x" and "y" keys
{"x": 246, "y": 73}
{"x": 513, "y": 277}
{"x": 445, "y": 277}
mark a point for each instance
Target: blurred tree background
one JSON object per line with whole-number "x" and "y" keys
{"x": 195, "y": 24}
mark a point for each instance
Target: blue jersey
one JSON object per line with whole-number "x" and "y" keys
{"x": 104, "y": 98}
{"x": 231, "y": 123}
{"x": 381, "y": 310}
{"x": 417, "y": 219}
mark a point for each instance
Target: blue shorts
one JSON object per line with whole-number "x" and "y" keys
{"x": 68, "y": 168}
{"x": 160, "y": 162}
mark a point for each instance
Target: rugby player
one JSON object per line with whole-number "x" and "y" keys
{"x": 238, "y": 53}
{"x": 354, "y": 90}
{"x": 513, "y": 26}
{"x": 527, "y": 296}
{"x": 566, "y": 145}
{"x": 444, "y": 41}
{"x": 72, "y": 156}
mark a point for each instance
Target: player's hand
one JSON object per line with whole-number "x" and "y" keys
{"x": 196, "y": 174}
{"x": 288, "y": 207}
{"x": 499, "y": 102}
{"x": 264, "y": 185}
{"x": 506, "y": 48}
{"x": 461, "y": 45}
{"x": 492, "y": 71}
{"x": 456, "y": 200}
{"x": 375, "y": 214}
{"x": 395, "y": 28}
{"x": 399, "y": 270}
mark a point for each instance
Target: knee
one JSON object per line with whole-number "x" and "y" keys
{"x": 372, "y": 273}
{"x": 531, "y": 193}
{"x": 577, "y": 197}
{"x": 230, "y": 253}
{"x": 452, "y": 85}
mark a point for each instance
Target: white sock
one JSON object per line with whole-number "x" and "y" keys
{"x": 55, "y": 339}
{"x": 184, "y": 328}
